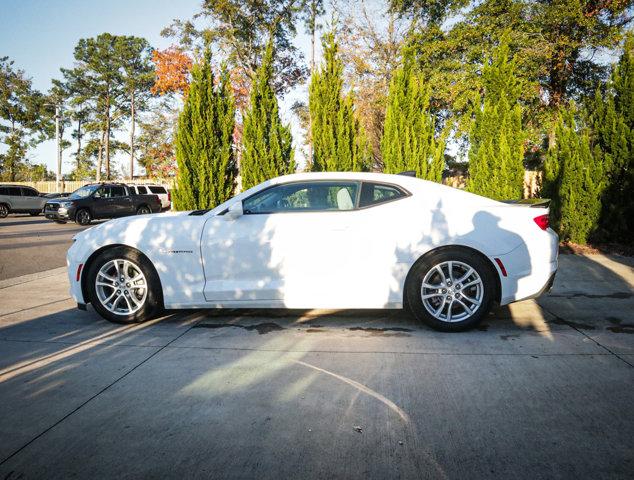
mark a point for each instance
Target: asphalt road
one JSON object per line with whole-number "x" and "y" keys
{"x": 33, "y": 244}
{"x": 542, "y": 390}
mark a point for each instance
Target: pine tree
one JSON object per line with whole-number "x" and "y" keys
{"x": 267, "y": 149}
{"x": 573, "y": 179}
{"x": 496, "y": 156}
{"x": 339, "y": 143}
{"x": 204, "y": 141}
{"x": 409, "y": 141}
{"x": 612, "y": 118}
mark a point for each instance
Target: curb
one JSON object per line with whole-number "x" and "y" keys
{"x": 10, "y": 282}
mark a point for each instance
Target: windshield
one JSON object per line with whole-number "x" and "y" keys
{"x": 83, "y": 192}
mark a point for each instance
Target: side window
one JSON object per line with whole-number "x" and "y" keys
{"x": 103, "y": 192}
{"x": 157, "y": 190}
{"x": 4, "y": 190}
{"x": 29, "y": 192}
{"x": 14, "y": 191}
{"x": 117, "y": 191}
{"x": 307, "y": 197}
{"x": 376, "y": 193}
{"x": 142, "y": 190}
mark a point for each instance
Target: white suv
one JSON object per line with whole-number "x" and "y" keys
{"x": 153, "y": 189}
{"x": 19, "y": 199}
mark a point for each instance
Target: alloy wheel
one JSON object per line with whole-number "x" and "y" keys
{"x": 452, "y": 291}
{"x": 4, "y": 211}
{"x": 121, "y": 287}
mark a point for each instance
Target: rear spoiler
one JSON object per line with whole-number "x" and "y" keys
{"x": 530, "y": 202}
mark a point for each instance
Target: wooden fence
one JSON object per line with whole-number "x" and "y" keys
{"x": 532, "y": 183}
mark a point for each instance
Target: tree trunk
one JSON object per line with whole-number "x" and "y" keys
{"x": 132, "y": 113}
{"x": 78, "y": 146}
{"x": 100, "y": 156}
{"x": 108, "y": 138}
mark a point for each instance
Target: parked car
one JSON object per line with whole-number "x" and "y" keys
{"x": 100, "y": 200}
{"x": 20, "y": 199}
{"x": 322, "y": 240}
{"x": 152, "y": 189}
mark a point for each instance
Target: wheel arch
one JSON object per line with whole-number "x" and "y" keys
{"x": 94, "y": 255}
{"x": 498, "y": 284}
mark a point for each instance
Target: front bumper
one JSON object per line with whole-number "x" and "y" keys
{"x": 60, "y": 214}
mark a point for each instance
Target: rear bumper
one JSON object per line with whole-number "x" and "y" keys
{"x": 530, "y": 269}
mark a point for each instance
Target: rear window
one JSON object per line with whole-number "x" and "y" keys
{"x": 157, "y": 189}
{"x": 13, "y": 191}
{"x": 4, "y": 191}
{"x": 376, "y": 193}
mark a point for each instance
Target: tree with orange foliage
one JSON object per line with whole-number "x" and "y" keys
{"x": 173, "y": 68}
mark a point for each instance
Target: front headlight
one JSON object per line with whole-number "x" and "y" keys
{"x": 66, "y": 204}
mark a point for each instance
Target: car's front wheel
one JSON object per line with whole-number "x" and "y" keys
{"x": 4, "y": 210}
{"x": 451, "y": 290}
{"x": 83, "y": 217}
{"x": 123, "y": 286}
{"x": 143, "y": 210}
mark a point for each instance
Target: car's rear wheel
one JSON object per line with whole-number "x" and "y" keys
{"x": 451, "y": 290}
{"x": 4, "y": 210}
{"x": 34, "y": 213}
{"x": 123, "y": 286}
{"x": 143, "y": 210}
{"x": 83, "y": 217}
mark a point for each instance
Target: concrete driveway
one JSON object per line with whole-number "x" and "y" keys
{"x": 539, "y": 391}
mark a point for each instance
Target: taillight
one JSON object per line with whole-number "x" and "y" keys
{"x": 169, "y": 196}
{"x": 542, "y": 221}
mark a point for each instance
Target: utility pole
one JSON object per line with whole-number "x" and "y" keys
{"x": 58, "y": 176}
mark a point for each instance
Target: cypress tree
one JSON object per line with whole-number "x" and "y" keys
{"x": 496, "y": 155}
{"x": 204, "y": 141}
{"x": 573, "y": 179}
{"x": 408, "y": 141}
{"x": 267, "y": 150}
{"x": 339, "y": 143}
{"x": 612, "y": 118}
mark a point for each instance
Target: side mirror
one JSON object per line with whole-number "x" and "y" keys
{"x": 234, "y": 211}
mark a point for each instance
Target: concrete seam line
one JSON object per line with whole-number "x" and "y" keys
{"x": 589, "y": 337}
{"x": 348, "y": 352}
{"x": 36, "y": 306}
{"x": 31, "y": 277}
{"x": 393, "y": 352}
{"x": 48, "y": 429}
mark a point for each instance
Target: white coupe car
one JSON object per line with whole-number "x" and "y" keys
{"x": 322, "y": 240}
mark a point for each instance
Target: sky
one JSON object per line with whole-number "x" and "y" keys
{"x": 40, "y": 35}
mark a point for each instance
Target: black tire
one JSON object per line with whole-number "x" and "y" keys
{"x": 83, "y": 217}
{"x": 4, "y": 210}
{"x": 34, "y": 213}
{"x": 153, "y": 303}
{"x": 453, "y": 296}
{"x": 143, "y": 210}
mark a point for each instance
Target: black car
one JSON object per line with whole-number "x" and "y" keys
{"x": 100, "y": 200}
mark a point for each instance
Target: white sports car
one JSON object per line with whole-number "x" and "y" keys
{"x": 322, "y": 240}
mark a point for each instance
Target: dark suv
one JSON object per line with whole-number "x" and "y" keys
{"x": 100, "y": 200}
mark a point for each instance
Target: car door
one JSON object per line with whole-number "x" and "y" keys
{"x": 295, "y": 245}
{"x": 31, "y": 199}
{"x": 383, "y": 224}
{"x": 103, "y": 203}
{"x": 122, "y": 201}
{"x": 16, "y": 198}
